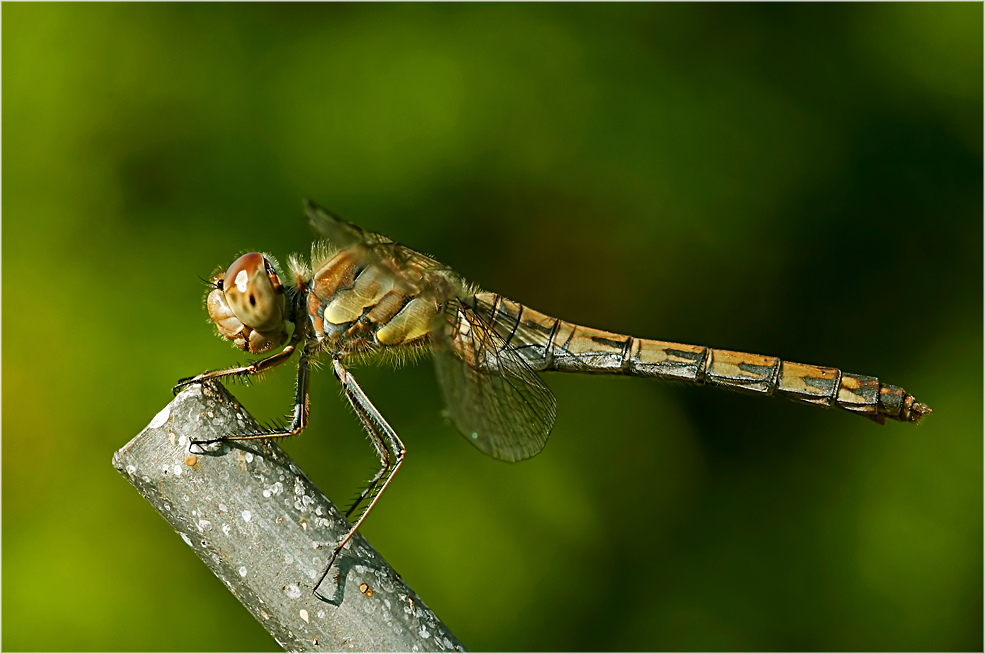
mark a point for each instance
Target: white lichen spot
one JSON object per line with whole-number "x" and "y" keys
{"x": 167, "y": 507}
{"x": 266, "y": 492}
{"x": 131, "y": 469}
{"x": 225, "y": 529}
{"x": 194, "y": 512}
{"x": 242, "y": 571}
{"x": 249, "y": 457}
{"x": 203, "y": 525}
{"x": 288, "y": 558}
{"x": 185, "y": 538}
{"x": 222, "y": 507}
{"x": 321, "y": 614}
{"x": 424, "y": 633}
{"x": 247, "y": 515}
{"x": 303, "y": 614}
{"x": 161, "y": 417}
{"x": 241, "y": 281}
{"x": 176, "y": 469}
{"x": 292, "y": 591}
{"x": 182, "y": 440}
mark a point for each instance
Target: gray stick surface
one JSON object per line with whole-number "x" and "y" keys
{"x": 267, "y": 532}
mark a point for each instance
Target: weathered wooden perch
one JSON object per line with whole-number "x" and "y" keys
{"x": 266, "y": 531}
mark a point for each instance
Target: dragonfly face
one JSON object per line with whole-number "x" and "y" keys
{"x": 247, "y": 304}
{"x": 365, "y": 295}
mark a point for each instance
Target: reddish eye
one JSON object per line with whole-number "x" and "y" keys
{"x": 251, "y": 290}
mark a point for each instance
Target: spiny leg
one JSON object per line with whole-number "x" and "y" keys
{"x": 389, "y": 447}
{"x": 386, "y": 458}
{"x": 258, "y": 366}
{"x": 299, "y": 420}
{"x": 373, "y": 483}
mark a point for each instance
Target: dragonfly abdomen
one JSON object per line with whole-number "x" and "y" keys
{"x": 547, "y": 343}
{"x": 768, "y": 375}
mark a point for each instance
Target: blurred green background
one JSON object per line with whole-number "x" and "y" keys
{"x": 796, "y": 180}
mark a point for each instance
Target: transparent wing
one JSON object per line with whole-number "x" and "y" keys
{"x": 416, "y": 272}
{"x": 494, "y": 398}
{"x": 340, "y": 232}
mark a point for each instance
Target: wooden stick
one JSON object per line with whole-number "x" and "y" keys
{"x": 266, "y": 531}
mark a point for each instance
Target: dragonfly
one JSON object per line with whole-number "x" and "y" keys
{"x": 361, "y": 297}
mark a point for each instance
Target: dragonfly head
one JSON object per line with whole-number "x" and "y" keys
{"x": 247, "y": 304}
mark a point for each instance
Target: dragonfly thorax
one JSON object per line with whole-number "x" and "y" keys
{"x": 356, "y": 307}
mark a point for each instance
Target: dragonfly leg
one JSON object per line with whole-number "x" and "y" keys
{"x": 386, "y": 459}
{"x": 299, "y": 420}
{"x": 388, "y": 446}
{"x": 258, "y": 366}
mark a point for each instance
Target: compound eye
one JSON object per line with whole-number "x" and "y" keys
{"x": 254, "y": 293}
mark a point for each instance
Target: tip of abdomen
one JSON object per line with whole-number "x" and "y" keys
{"x": 896, "y": 404}
{"x": 916, "y": 410}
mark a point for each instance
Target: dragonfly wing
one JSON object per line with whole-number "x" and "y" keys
{"x": 341, "y": 233}
{"x": 416, "y": 272}
{"x": 494, "y": 398}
